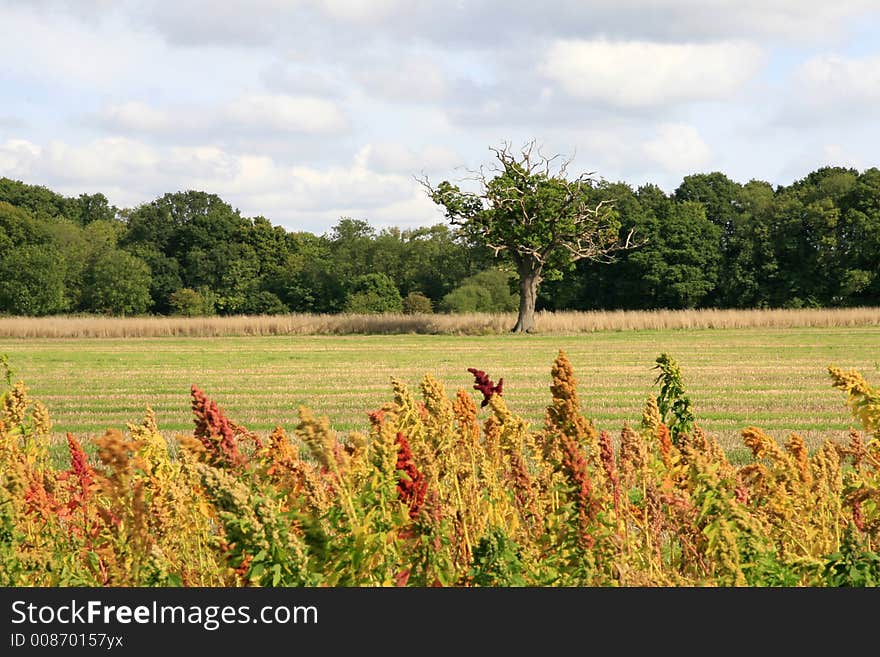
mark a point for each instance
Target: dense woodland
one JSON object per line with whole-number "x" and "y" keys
{"x": 712, "y": 242}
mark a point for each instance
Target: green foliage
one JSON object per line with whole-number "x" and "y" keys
{"x": 263, "y": 302}
{"x": 467, "y": 299}
{"x": 431, "y": 260}
{"x": 88, "y": 208}
{"x": 8, "y": 372}
{"x": 854, "y": 565}
{"x": 374, "y": 293}
{"x": 260, "y": 531}
{"x": 187, "y": 302}
{"x": 536, "y": 218}
{"x": 10, "y": 537}
{"x": 678, "y": 265}
{"x": 39, "y": 201}
{"x": 496, "y": 561}
{"x": 674, "y": 404}
{"x": 717, "y": 193}
{"x": 165, "y": 277}
{"x": 32, "y": 281}
{"x": 487, "y": 291}
{"x": 417, "y": 303}
{"x": 19, "y": 227}
{"x": 713, "y": 242}
{"x": 118, "y": 283}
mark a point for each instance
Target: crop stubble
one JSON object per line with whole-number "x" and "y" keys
{"x": 772, "y": 378}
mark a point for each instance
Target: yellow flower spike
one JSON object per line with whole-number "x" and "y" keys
{"x": 651, "y": 419}
{"x": 634, "y": 472}
{"x": 864, "y": 401}
{"x": 757, "y": 441}
{"x": 321, "y": 439}
{"x": 465, "y": 410}
{"x": 15, "y": 403}
{"x": 42, "y": 421}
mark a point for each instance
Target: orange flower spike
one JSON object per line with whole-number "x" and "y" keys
{"x": 606, "y": 455}
{"x": 798, "y": 448}
{"x": 80, "y": 467}
{"x": 214, "y": 430}
{"x": 574, "y": 465}
{"x": 665, "y": 441}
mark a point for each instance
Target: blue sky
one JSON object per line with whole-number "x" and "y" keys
{"x": 305, "y": 111}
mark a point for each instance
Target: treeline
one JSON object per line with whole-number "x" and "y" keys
{"x": 191, "y": 253}
{"x": 715, "y": 243}
{"x": 711, "y": 243}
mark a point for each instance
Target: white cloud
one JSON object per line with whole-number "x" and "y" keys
{"x": 203, "y": 166}
{"x": 247, "y": 114}
{"x": 301, "y": 114}
{"x": 359, "y": 11}
{"x": 303, "y": 110}
{"x": 417, "y": 79}
{"x": 830, "y": 79}
{"x": 678, "y": 149}
{"x": 131, "y": 172}
{"x": 797, "y": 20}
{"x": 416, "y": 211}
{"x": 141, "y": 118}
{"x": 17, "y": 157}
{"x": 255, "y": 22}
{"x": 111, "y": 160}
{"x": 838, "y": 155}
{"x": 394, "y": 157}
{"x": 43, "y": 45}
{"x": 638, "y": 74}
{"x": 258, "y": 23}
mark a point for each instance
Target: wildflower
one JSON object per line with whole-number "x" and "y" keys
{"x": 484, "y": 384}
{"x": 564, "y": 414}
{"x": 15, "y": 403}
{"x": 858, "y": 515}
{"x": 606, "y": 454}
{"x": 798, "y": 449}
{"x": 665, "y": 442}
{"x": 633, "y": 453}
{"x": 651, "y": 419}
{"x": 522, "y": 486}
{"x": 574, "y": 464}
{"x": 42, "y": 421}
{"x": 214, "y": 430}
{"x": 411, "y": 484}
{"x": 465, "y": 411}
{"x": 80, "y": 467}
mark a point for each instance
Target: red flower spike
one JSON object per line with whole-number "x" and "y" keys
{"x": 80, "y": 467}
{"x": 214, "y": 430}
{"x": 858, "y": 516}
{"x": 484, "y": 384}
{"x": 411, "y": 484}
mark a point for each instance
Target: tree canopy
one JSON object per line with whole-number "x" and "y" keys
{"x": 529, "y": 211}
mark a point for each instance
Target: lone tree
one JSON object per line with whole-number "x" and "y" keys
{"x": 530, "y": 212}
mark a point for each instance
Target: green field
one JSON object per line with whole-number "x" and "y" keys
{"x": 772, "y": 378}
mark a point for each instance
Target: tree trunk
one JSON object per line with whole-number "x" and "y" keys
{"x": 529, "y": 280}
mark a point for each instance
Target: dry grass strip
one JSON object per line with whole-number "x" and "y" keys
{"x": 561, "y": 323}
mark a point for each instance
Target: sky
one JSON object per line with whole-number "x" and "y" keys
{"x": 307, "y": 111}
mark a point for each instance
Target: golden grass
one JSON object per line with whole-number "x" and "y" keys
{"x": 562, "y": 323}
